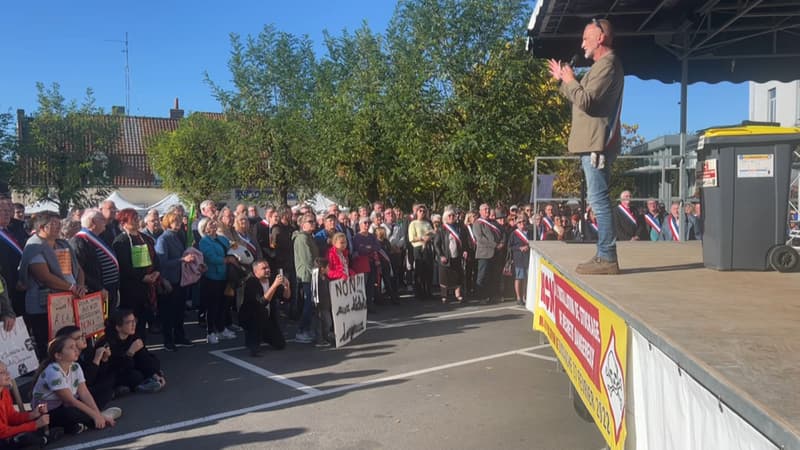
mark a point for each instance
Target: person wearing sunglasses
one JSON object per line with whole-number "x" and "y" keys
{"x": 595, "y": 134}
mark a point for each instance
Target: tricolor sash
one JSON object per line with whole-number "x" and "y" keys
{"x": 521, "y": 235}
{"x": 452, "y": 233}
{"x": 627, "y": 213}
{"x": 249, "y": 245}
{"x": 11, "y": 241}
{"x": 91, "y": 238}
{"x": 471, "y": 235}
{"x": 549, "y": 223}
{"x": 653, "y": 222}
{"x": 491, "y": 225}
{"x": 674, "y": 229}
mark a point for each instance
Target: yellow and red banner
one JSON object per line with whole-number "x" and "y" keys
{"x": 591, "y": 342}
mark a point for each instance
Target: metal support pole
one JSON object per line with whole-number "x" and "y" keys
{"x": 535, "y": 184}
{"x": 682, "y": 160}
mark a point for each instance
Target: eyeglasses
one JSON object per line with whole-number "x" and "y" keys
{"x": 598, "y": 25}
{"x": 129, "y": 321}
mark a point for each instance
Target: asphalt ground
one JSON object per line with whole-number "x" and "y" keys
{"x": 423, "y": 375}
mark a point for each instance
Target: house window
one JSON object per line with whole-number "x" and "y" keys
{"x": 771, "y": 105}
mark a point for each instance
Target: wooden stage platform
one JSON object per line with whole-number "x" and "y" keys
{"x": 737, "y": 333}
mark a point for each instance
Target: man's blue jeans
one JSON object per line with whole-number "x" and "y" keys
{"x": 308, "y": 308}
{"x": 597, "y": 192}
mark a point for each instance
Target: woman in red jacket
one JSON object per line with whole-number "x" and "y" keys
{"x": 338, "y": 258}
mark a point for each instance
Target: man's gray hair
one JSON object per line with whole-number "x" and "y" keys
{"x": 88, "y": 217}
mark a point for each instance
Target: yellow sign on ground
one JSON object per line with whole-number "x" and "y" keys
{"x": 592, "y": 344}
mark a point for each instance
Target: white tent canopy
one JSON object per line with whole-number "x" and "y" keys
{"x": 164, "y": 204}
{"x": 41, "y": 206}
{"x": 121, "y": 202}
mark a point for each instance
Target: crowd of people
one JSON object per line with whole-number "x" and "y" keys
{"x": 244, "y": 273}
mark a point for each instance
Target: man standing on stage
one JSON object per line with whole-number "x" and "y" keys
{"x": 596, "y": 106}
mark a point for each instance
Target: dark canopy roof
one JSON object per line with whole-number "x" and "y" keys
{"x": 724, "y": 40}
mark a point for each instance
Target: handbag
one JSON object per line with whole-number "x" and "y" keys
{"x": 508, "y": 269}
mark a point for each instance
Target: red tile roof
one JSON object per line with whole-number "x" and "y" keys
{"x": 136, "y": 133}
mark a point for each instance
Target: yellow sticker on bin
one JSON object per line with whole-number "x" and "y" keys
{"x": 750, "y": 130}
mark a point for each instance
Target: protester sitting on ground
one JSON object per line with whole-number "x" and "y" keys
{"x": 339, "y": 258}
{"x": 22, "y": 429}
{"x": 94, "y": 362}
{"x": 61, "y": 385}
{"x": 138, "y": 269}
{"x": 130, "y": 361}
{"x": 48, "y": 265}
{"x": 259, "y": 314}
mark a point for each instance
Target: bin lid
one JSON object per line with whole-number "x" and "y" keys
{"x": 748, "y": 134}
{"x": 749, "y": 130}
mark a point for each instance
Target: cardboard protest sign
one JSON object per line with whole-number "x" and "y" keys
{"x": 349, "y": 308}
{"x": 89, "y": 313}
{"x": 60, "y": 312}
{"x": 17, "y": 350}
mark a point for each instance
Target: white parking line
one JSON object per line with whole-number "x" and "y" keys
{"x": 288, "y": 401}
{"x": 382, "y": 325}
{"x": 261, "y": 371}
{"x": 538, "y": 356}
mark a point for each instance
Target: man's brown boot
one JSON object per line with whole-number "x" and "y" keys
{"x": 598, "y": 266}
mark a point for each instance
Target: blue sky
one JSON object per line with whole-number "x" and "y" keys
{"x": 173, "y": 42}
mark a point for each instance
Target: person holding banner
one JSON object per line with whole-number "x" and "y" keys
{"x": 48, "y": 264}
{"x": 449, "y": 248}
{"x": 138, "y": 269}
{"x": 96, "y": 258}
{"x": 339, "y": 258}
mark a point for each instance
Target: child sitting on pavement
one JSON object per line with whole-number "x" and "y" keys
{"x": 21, "y": 429}
{"x": 130, "y": 361}
{"x": 60, "y": 384}
{"x": 94, "y": 362}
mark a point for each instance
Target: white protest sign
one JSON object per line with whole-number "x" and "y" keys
{"x": 349, "y": 308}
{"x": 16, "y": 349}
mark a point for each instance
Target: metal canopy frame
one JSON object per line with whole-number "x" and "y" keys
{"x": 715, "y": 33}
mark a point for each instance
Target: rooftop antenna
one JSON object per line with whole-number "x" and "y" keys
{"x": 127, "y": 72}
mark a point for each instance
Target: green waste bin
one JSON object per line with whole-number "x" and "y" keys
{"x": 744, "y": 175}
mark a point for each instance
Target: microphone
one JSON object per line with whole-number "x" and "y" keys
{"x": 574, "y": 60}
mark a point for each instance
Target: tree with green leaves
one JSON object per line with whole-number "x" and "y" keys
{"x": 66, "y": 151}
{"x": 8, "y": 146}
{"x": 268, "y": 109}
{"x": 353, "y": 158}
{"x": 197, "y": 160}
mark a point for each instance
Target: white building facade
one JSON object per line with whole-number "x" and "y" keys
{"x": 775, "y": 102}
